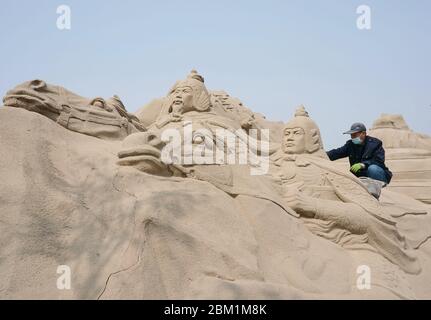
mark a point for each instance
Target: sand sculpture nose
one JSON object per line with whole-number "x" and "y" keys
{"x": 143, "y": 138}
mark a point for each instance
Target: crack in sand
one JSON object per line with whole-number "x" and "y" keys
{"x": 128, "y": 245}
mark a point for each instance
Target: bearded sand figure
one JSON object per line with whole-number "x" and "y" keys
{"x": 188, "y": 101}
{"x": 188, "y": 95}
{"x": 335, "y": 205}
{"x": 188, "y": 106}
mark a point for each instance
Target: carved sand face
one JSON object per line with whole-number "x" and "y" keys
{"x": 294, "y": 141}
{"x": 223, "y": 97}
{"x": 228, "y": 102}
{"x": 182, "y": 99}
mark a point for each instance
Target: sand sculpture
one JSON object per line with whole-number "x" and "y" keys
{"x": 105, "y": 119}
{"x": 107, "y": 204}
{"x": 336, "y": 202}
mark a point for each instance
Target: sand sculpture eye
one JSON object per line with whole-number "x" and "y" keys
{"x": 38, "y": 84}
{"x": 152, "y": 138}
{"x": 100, "y": 103}
{"x": 198, "y": 139}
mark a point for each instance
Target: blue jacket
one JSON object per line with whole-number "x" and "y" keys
{"x": 371, "y": 152}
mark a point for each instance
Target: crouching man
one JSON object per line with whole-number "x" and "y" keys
{"x": 366, "y": 155}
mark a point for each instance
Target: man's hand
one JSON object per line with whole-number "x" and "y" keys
{"x": 357, "y": 167}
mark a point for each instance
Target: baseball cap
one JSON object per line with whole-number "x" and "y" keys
{"x": 356, "y": 127}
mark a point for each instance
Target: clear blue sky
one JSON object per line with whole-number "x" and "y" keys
{"x": 274, "y": 55}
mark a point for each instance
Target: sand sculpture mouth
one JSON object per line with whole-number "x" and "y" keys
{"x": 145, "y": 158}
{"x": 28, "y": 100}
{"x": 143, "y": 151}
{"x": 142, "y": 154}
{"x": 33, "y": 96}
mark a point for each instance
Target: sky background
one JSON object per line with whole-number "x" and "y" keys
{"x": 273, "y": 55}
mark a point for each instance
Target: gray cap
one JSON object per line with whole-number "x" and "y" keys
{"x": 356, "y": 127}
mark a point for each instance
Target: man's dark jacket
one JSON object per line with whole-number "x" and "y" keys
{"x": 371, "y": 152}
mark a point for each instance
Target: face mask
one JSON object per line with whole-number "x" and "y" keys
{"x": 357, "y": 140}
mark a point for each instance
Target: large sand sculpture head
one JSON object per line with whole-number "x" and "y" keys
{"x": 188, "y": 95}
{"x": 179, "y": 146}
{"x": 38, "y": 96}
{"x": 173, "y": 150}
{"x": 168, "y": 152}
{"x": 100, "y": 118}
{"x": 301, "y": 135}
{"x": 50, "y": 100}
{"x": 143, "y": 152}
